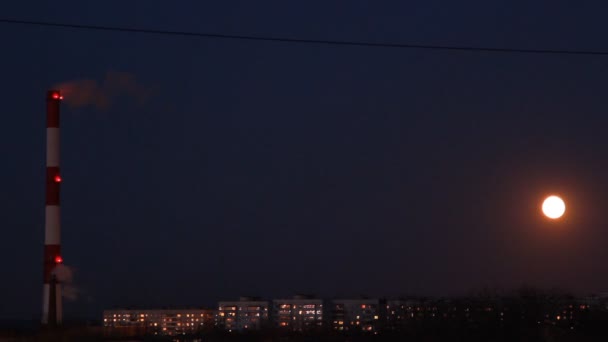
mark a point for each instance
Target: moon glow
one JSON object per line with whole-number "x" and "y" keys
{"x": 554, "y": 207}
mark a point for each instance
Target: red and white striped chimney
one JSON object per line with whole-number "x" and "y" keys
{"x": 51, "y": 307}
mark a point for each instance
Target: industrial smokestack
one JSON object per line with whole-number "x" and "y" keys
{"x": 51, "y": 300}
{"x": 52, "y": 320}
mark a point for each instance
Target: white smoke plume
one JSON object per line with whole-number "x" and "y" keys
{"x": 101, "y": 95}
{"x": 65, "y": 276}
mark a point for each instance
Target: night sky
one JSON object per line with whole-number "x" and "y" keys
{"x": 260, "y": 168}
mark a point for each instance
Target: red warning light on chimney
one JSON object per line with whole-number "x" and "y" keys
{"x": 58, "y": 179}
{"x": 58, "y": 259}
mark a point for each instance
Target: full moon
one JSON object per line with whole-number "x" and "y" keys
{"x": 554, "y": 207}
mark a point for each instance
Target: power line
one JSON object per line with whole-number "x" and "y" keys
{"x": 304, "y": 41}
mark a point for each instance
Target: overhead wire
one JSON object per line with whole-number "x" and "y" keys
{"x": 303, "y": 41}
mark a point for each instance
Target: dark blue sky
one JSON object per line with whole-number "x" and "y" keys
{"x": 267, "y": 168}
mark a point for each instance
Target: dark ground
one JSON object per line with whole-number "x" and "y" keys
{"x": 542, "y": 333}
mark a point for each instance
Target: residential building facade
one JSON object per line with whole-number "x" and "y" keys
{"x": 242, "y": 315}
{"x": 300, "y": 313}
{"x": 162, "y": 322}
{"x": 356, "y": 315}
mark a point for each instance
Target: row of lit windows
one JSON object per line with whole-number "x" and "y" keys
{"x": 305, "y": 306}
{"x": 242, "y": 308}
{"x": 300, "y": 312}
{"x": 127, "y": 315}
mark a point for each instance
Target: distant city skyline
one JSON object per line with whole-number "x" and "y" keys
{"x": 311, "y": 315}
